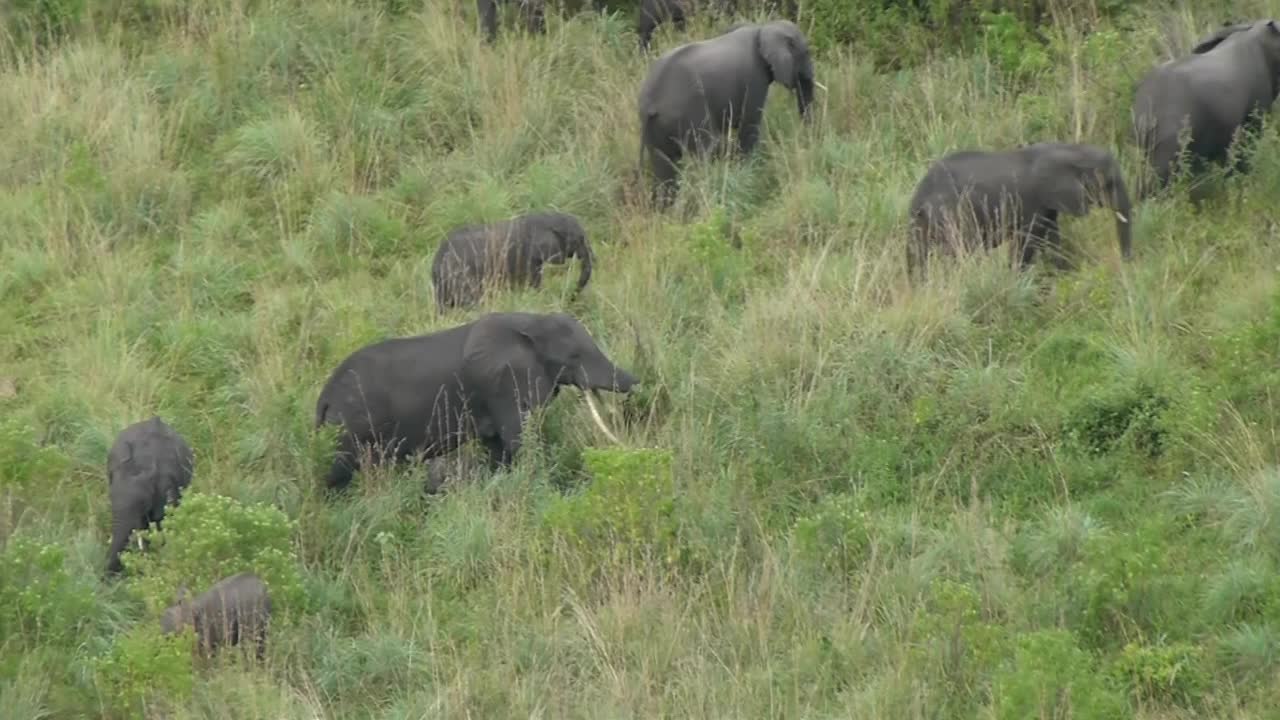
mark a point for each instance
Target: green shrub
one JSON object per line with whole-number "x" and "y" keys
{"x": 25, "y": 460}
{"x": 40, "y": 601}
{"x": 1050, "y": 676}
{"x": 210, "y": 537}
{"x": 1100, "y": 422}
{"x": 1169, "y": 673}
{"x": 626, "y": 513}
{"x": 835, "y": 537}
{"x": 42, "y": 23}
{"x": 958, "y": 643}
{"x": 144, "y": 667}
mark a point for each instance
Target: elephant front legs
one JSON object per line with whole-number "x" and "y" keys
{"x": 1043, "y": 236}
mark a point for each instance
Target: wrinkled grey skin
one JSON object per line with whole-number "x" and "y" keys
{"x": 1024, "y": 190}
{"x": 534, "y": 12}
{"x": 1231, "y": 78}
{"x": 148, "y": 467}
{"x": 430, "y": 393}
{"x": 694, "y": 94}
{"x": 676, "y": 12}
{"x": 236, "y": 608}
{"x": 511, "y": 252}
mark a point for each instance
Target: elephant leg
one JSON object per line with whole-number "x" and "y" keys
{"x": 748, "y": 137}
{"x": 488, "y": 11}
{"x": 535, "y": 16}
{"x": 1045, "y": 238}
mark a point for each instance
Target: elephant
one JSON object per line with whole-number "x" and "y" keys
{"x": 1229, "y": 80}
{"x": 509, "y": 252}
{"x": 431, "y": 393}
{"x": 233, "y": 609}
{"x": 695, "y": 93}
{"x": 653, "y": 13}
{"x": 148, "y": 467}
{"x": 1022, "y": 189}
{"x": 534, "y": 12}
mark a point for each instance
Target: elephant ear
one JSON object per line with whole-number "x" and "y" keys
{"x": 501, "y": 354}
{"x": 777, "y": 43}
{"x": 1214, "y": 40}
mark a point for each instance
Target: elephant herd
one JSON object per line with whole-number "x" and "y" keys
{"x": 427, "y": 395}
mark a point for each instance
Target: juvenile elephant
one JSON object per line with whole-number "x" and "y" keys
{"x": 1230, "y": 79}
{"x": 510, "y": 252}
{"x": 431, "y": 393}
{"x": 148, "y": 467}
{"x": 977, "y": 194}
{"x": 233, "y": 609}
{"x": 534, "y": 12}
{"x": 694, "y": 94}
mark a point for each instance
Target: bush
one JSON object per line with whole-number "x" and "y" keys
{"x": 1049, "y": 676}
{"x": 142, "y": 667}
{"x": 210, "y": 537}
{"x": 40, "y": 602}
{"x": 835, "y": 538}
{"x": 1170, "y": 673}
{"x": 627, "y": 511}
{"x": 1133, "y": 412}
{"x": 42, "y": 23}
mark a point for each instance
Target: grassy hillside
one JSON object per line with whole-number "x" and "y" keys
{"x": 1000, "y": 495}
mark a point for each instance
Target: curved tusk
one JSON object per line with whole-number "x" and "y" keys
{"x": 820, "y": 86}
{"x": 1120, "y": 216}
{"x": 139, "y": 539}
{"x": 595, "y": 415}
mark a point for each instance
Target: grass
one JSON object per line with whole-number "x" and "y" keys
{"x": 999, "y": 494}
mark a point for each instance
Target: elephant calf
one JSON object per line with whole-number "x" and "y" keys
{"x": 431, "y": 393}
{"x": 235, "y": 608}
{"x": 979, "y": 194}
{"x": 148, "y": 467}
{"x": 694, "y": 94}
{"x": 511, "y": 252}
{"x": 1230, "y": 79}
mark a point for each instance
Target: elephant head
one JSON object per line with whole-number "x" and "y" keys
{"x": 562, "y": 238}
{"x": 786, "y": 53}
{"x": 1073, "y": 179}
{"x": 177, "y": 615}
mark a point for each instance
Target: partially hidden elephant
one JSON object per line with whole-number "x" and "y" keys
{"x": 511, "y": 252}
{"x": 234, "y": 609}
{"x": 695, "y": 93}
{"x": 971, "y": 198}
{"x": 148, "y": 468}
{"x": 653, "y": 13}
{"x": 428, "y": 394}
{"x": 534, "y": 12}
{"x": 1230, "y": 79}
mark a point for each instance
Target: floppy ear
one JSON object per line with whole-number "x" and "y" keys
{"x": 504, "y": 348}
{"x": 775, "y": 45}
{"x": 1217, "y": 37}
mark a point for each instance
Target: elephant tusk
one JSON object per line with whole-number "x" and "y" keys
{"x": 139, "y": 539}
{"x": 595, "y": 415}
{"x": 820, "y": 86}
{"x": 1120, "y": 216}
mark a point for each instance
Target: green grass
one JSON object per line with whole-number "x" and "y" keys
{"x": 999, "y": 495}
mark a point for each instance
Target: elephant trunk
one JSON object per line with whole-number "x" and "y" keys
{"x": 583, "y": 253}
{"x": 804, "y": 95}
{"x": 1124, "y": 219}
{"x": 121, "y": 529}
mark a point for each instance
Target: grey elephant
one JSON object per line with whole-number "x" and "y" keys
{"x": 653, "y": 13}
{"x": 980, "y": 195}
{"x": 694, "y": 94}
{"x": 507, "y": 253}
{"x": 234, "y": 609}
{"x": 428, "y": 394}
{"x": 148, "y": 467}
{"x": 534, "y": 12}
{"x": 1228, "y": 81}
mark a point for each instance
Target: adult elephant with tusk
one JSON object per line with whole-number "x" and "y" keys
{"x": 148, "y": 468}
{"x": 431, "y": 393}
{"x": 510, "y": 252}
{"x": 979, "y": 195}
{"x": 694, "y": 94}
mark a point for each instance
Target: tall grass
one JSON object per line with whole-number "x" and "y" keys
{"x": 998, "y": 494}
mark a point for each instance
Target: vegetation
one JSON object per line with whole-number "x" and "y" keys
{"x": 998, "y": 495}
